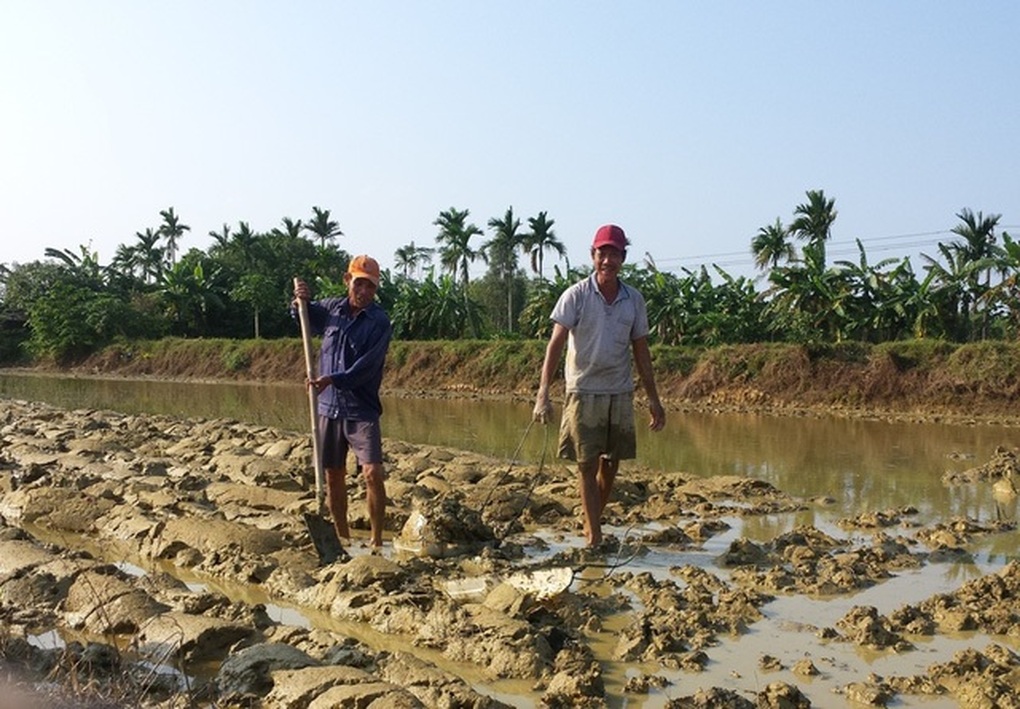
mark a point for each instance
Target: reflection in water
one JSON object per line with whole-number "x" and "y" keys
{"x": 858, "y": 465}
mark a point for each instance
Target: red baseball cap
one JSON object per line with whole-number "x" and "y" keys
{"x": 364, "y": 267}
{"x": 610, "y": 235}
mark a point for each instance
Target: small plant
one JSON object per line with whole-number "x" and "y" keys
{"x": 236, "y": 359}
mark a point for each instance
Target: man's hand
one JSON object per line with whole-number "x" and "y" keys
{"x": 543, "y": 408}
{"x": 319, "y": 383}
{"x": 658, "y": 414}
{"x": 301, "y": 291}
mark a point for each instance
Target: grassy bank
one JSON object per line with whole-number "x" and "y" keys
{"x": 920, "y": 379}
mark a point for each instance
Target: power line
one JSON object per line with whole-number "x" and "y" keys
{"x": 875, "y": 244}
{"x": 831, "y": 247}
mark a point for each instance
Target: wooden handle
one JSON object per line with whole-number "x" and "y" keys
{"x": 313, "y": 398}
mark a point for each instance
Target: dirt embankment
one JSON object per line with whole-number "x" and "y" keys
{"x": 920, "y": 380}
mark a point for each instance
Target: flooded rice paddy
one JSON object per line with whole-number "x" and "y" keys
{"x": 855, "y": 466}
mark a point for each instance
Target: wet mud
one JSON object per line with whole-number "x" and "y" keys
{"x": 123, "y": 536}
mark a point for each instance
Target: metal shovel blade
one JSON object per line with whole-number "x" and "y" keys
{"x": 323, "y": 534}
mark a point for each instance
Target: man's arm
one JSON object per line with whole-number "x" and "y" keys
{"x": 643, "y": 360}
{"x": 553, "y": 352}
{"x": 367, "y": 365}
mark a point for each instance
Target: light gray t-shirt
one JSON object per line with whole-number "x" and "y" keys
{"x": 598, "y": 348}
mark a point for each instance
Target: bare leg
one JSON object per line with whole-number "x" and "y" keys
{"x": 591, "y": 501}
{"x": 375, "y": 497}
{"x": 606, "y": 478}
{"x": 336, "y": 500}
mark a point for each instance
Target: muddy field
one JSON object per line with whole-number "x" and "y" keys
{"x": 151, "y": 561}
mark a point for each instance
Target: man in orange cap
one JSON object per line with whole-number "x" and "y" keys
{"x": 598, "y": 320}
{"x": 356, "y": 336}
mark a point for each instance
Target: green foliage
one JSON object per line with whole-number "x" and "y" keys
{"x": 680, "y": 360}
{"x": 490, "y": 293}
{"x": 236, "y": 358}
{"x": 435, "y": 309}
{"x": 72, "y": 303}
{"x": 69, "y": 321}
{"x": 540, "y": 300}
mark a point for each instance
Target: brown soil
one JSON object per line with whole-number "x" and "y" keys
{"x": 460, "y": 598}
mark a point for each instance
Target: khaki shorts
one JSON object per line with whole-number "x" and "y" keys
{"x": 598, "y": 425}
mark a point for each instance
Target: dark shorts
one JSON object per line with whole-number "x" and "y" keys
{"x": 337, "y": 436}
{"x": 598, "y": 425}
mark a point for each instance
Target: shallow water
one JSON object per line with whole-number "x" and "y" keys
{"x": 860, "y": 465}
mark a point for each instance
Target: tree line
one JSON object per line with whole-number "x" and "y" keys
{"x": 69, "y": 304}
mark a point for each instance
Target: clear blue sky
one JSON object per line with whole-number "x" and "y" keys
{"x": 691, "y": 124}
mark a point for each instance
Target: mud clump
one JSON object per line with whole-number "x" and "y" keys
{"x": 142, "y": 540}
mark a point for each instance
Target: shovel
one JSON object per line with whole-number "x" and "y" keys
{"x": 323, "y": 534}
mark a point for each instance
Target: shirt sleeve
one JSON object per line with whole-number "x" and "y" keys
{"x": 566, "y": 311}
{"x": 366, "y": 367}
{"x": 640, "y": 328}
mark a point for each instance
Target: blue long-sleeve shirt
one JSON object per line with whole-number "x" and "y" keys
{"x": 353, "y": 354}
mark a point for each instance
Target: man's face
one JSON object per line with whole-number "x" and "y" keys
{"x": 360, "y": 292}
{"x": 607, "y": 260}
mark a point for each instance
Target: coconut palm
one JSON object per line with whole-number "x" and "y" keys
{"x": 1004, "y": 296}
{"x": 323, "y": 227}
{"x": 245, "y": 243}
{"x": 978, "y": 246}
{"x": 949, "y": 290}
{"x": 291, "y": 228}
{"x": 540, "y": 239}
{"x": 813, "y": 224}
{"x": 125, "y": 262}
{"x": 454, "y": 239}
{"x": 221, "y": 238}
{"x": 411, "y": 258}
{"x": 771, "y": 246}
{"x": 149, "y": 255}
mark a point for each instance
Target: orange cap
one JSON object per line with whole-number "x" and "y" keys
{"x": 364, "y": 267}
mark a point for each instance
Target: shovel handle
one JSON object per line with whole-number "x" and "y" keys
{"x": 313, "y": 398}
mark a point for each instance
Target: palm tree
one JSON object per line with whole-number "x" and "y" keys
{"x": 540, "y": 239}
{"x": 771, "y": 246}
{"x": 245, "y": 242}
{"x": 979, "y": 253}
{"x": 813, "y": 224}
{"x": 149, "y": 255}
{"x": 172, "y": 230}
{"x": 323, "y": 227}
{"x": 125, "y": 261}
{"x": 501, "y": 253}
{"x": 978, "y": 232}
{"x": 1005, "y": 295}
{"x": 454, "y": 239}
{"x": 291, "y": 228}
{"x": 221, "y": 238}
{"x": 948, "y": 288}
{"x": 410, "y": 258}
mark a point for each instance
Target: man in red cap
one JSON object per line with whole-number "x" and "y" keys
{"x": 598, "y": 320}
{"x": 356, "y": 335}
